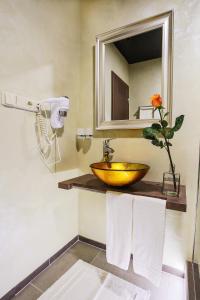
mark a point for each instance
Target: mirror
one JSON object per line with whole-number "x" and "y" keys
{"x": 133, "y": 63}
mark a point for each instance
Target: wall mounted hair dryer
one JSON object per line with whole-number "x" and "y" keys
{"x": 59, "y": 107}
{"x": 46, "y": 136}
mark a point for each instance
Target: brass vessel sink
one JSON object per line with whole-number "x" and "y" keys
{"x": 119, "y": 173}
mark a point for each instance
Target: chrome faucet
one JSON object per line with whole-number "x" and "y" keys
{"x": 107, "y": 151}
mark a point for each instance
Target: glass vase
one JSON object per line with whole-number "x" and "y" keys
{"x": 171, "y": 183}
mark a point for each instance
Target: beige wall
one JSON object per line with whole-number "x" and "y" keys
{"x": 40, "y": 57}
{"x": 145, "y": 80}
{"x": 39, "y": 54}
{"x": 101, "y": 16}
{"x": 114, "y": 61}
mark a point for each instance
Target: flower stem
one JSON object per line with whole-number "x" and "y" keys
{"x": 168, "y": 151}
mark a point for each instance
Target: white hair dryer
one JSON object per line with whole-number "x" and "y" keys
{"x": 59, "y": 107}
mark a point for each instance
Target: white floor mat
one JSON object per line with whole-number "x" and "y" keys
{"x": 86, "y": 282}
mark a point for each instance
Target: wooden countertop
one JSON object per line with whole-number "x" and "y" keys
{"x": 141, "y": 188}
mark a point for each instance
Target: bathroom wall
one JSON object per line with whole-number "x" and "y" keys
{"x": 40, "y": 56}
{"x": 145, "y": 80}
{"x": 114, "y": 61}
{"x": 102, "y": 16}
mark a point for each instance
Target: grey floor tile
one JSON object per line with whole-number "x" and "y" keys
{"x": 28, "y": 293}
{"x": 45, "y": 279}
{"x": 84, "y": 251}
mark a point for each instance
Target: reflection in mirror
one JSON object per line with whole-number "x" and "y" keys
{"x": 133, "y": 63}
{"x": 133, "y": 72}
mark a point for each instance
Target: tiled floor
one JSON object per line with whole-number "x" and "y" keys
{"x": 172, "y": 287}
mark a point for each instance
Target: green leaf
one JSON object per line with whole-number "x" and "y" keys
{"x": 164, "y": 123}
{"x": 136, "y": 114}
{"x": 178, "y": 123}
{"x": 156, "y": 126}
{"x": 161, "y": 144}
{"x": 149, "y": 133}
{"x": 169, "y": 133}
{"x": 156, "y": 143}
{"x": 166, "y": 114}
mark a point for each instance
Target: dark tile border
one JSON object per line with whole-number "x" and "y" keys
{"x": 92, "y": 242}
{"x": 24, "y": 282}
{"x": 35, "y": 273}
{"x": 63, "y": 249}
{"x": 173, "y": 271}
{"x": 193, "y": 279}
{"x": 196, "y": 280}
{"x": 190, "y": 281}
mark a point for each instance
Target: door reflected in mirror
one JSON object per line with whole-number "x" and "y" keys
{"x": 133, "y": 72}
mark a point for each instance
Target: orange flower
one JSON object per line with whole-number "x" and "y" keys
{"x": 156, "y": 100}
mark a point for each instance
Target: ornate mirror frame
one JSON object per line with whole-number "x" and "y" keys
{"x": 165, "y": 21}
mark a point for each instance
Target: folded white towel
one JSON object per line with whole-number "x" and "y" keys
{"x": 86, "y": 282}
{"x": 80, "y": 282}
{"x": 148, "y": 237}
{"x": 119, "y": 228}
{"x": 115, "y": 288}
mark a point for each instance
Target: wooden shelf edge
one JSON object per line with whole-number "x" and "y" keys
{"x": 142, "y": 188}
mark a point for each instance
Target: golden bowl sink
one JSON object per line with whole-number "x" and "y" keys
{"x": 119, "y": 173}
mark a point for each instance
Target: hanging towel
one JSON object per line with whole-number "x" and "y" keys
{"x": 119, "y": 229}
{"x": 148, "y": 237}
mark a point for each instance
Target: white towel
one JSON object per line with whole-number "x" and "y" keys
{"x": 86, "y": 282}
{"x": 119, "y": 228}
{"x": 148, "y": 237}
{"x": 80, "y": 282}
{"x": 115, "y": 288}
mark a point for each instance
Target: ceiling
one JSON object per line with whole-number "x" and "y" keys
{"x": 141, "y": 47}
